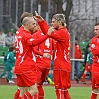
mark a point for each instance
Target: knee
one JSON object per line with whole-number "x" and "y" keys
{"x": 33, "y": 91}
{"x": 95, "y": 90}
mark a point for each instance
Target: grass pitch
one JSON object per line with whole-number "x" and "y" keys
{"x": 7, "y": 92}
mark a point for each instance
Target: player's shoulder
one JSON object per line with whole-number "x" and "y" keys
{"x": 95, "y": 37}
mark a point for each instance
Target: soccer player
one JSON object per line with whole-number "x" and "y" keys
{"x": 25, "y": 14}
{"x": 25, "y": 64}
{"x": 62, "y": 65}
{"x": 95, "y": 66}
{"x": 88, "y": 65}
{"x": 42, "y": 64}
{"x": 9, "y": 64}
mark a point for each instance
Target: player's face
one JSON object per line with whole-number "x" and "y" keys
{"x": 32, "y": 25}
{"x": 55, "y": 23}
{"x": 36, "y": 28}
{"x": 96, "y": 30}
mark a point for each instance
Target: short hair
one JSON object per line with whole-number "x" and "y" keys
{"x": 60, "y": 17}
{"x": 26, "y": 20}
{"x": 96, "y": 24}
{"x": 11, "y": 48}
{"x": 25, "y": 14}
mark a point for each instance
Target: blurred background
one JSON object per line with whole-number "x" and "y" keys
{"x": 81, "y": 15}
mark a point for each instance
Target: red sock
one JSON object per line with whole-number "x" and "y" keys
{"x": 83, "y": 78}
{"x": 35, "y": 96}
{"x": 27, "y": 95}
{"x": 94, "y": 95}
{"x": 67, "y": 95}
{"x": 16, "y": 95}
{"x": 60, "y": 94}
{"x": 40, "y": 92}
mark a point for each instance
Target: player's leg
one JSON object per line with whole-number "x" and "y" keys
{"x": 95, "y": 86}
{"x": 67, "y": 95}
{"x": 77, "y": 68}
{"x": 40, "y": 91}
{"x": 94, "y": 94}
{"x": 28, "y": 94}
{"x": 83, "y": 77}
{"x": 66, "y": 83}
{"x": 28, "y": 80}
{"x": 40, "y": 83}
{"x": 4, "y": 72}
{"x": 10, "y": 77}
{"x": 16, "y": 95}
{"x": 60, "y": 93}
{"x": 58, "y": 84}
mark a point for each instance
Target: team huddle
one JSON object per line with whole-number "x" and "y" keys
{"x": 36, "y": 45}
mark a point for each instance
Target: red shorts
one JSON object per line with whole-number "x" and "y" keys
{"x": 62, "y": 79}
{"x": 42, "y": 73}
{"x": 26, "y": 79}
{"x": 95, "y": 80}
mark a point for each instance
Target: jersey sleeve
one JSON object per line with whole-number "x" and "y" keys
{"x": 44, "y": 26}
{"x": 94, "y": 48}
{"x": 34, "y": 42}
{"x": 58, "y": 35}
{"x": 11, "y": 56}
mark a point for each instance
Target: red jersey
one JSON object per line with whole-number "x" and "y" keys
{"x": 26, "y": 59}
{"x": 78, "y": 53}
{"x": 45, "y": 47}
{"x": 62, "y": 47}
{"x": 95, "y": 52}
{"x": 16, "y": 44}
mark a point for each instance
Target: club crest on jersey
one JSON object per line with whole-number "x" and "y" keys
{"x": 31, "y": 39}
{"x": 93, "y": 45}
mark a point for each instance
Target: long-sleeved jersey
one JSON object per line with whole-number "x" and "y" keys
{"x": 61, "y": 47}
{"x": 9, "y": 59}
{"x": 95, "y": 52}
{"x": 89, "y": 59}
{"x": 26, "y": 59}
{"x": 78, "y": 53}
{"x": 45, "y": 47}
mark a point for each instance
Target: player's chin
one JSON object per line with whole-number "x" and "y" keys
{"x": 97, "y": 35}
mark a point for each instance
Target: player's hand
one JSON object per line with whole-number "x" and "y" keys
{"x": 46, "y": 55}
{"x": 38, "y": 17}
{"x": 50, "y": 30}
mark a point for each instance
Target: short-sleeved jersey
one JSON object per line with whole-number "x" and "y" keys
{"x": 61, "y": 47}
{"x": 45, "y": 47}
{"x": 95, "y": 52}
{"x": 25, "y": 61}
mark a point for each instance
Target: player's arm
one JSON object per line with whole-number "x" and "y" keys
{"x": 95, "y": 50}
{"x": 11, "y": 56}
{"x": 34, "y": 42}
{"x": 44, "y": 26}
{"x": 57, "y": 35}
{"x": 42, "y": 23}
